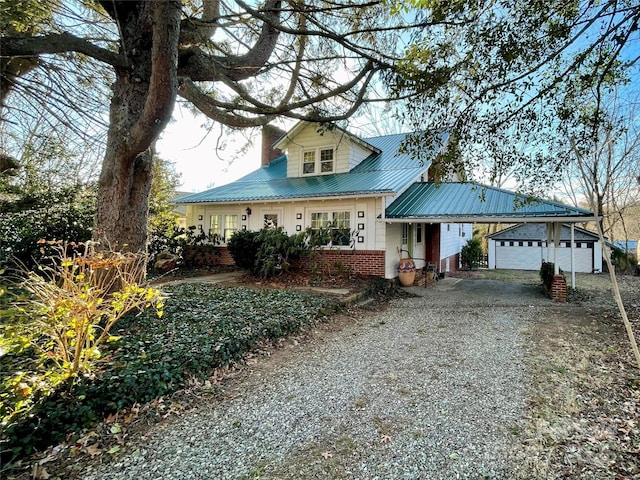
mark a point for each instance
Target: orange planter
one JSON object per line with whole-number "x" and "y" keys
{"x": 406, "y": 272}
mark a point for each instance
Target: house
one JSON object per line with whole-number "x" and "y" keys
{"x": 525, "y": 247}
{"x": 383, "y": 204}
{"x": 314, "y": 176}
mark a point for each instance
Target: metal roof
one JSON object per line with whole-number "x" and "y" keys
{"x": 472, "y": 202}
{"x": 384, "y": 173}
{"x": 537, "y": 231}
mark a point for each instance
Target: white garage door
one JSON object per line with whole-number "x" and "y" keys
{"x": 518, "y": 257}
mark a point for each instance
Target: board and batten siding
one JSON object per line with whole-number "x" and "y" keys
{"x": 366, "y": 238}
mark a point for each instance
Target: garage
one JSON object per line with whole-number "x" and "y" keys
{"x": 525, "y": 247}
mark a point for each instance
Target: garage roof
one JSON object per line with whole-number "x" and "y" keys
{"x": 476, "y": 203}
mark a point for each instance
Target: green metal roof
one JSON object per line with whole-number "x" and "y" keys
{"x": 474, "y": 202}
{"x": 384, "y": 173}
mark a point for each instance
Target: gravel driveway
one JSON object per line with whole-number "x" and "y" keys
{"x": 430, "y": 388}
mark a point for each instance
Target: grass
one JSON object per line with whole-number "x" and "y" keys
{"x": 203, "y": 327}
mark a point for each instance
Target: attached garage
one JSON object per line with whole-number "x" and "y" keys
{"x": 525, "y": 247}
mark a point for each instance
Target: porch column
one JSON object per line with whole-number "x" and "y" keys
{"x": 557, "y": 229}
{"x": 573, "y": 257}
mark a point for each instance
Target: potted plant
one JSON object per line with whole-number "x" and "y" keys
{"x": 406, "y": 272}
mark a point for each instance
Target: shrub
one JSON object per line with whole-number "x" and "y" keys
{"x": 471, "y": 253}
{"x": 625, "y": 262}
{"x": 63, "y": 214}
{"x": 193, "y": 247}
{"x": 547, "y": 272}
{"x": 75, "y": 302}
{"x": 243, "y": 247}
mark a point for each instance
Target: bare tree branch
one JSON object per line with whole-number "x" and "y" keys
{"x": 59, "y": 43}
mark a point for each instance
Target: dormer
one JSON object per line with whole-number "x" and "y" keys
{"x": 314, "y": 150}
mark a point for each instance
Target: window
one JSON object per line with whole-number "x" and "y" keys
{"x": 230, "y": 226}
{"x": 216, "y": 225}
{"x": 223, "y": 226}
{"x": 405, "y": 234}
{"x": 335, "y": 227}
{"x": 319, "y": 220}
{"x": 317, "y": 161}
{"x": 419, "y": 233}
{"x": 308, "y": 162}
{"x": 326, "y": 161}
{"x": 270, "y": 220}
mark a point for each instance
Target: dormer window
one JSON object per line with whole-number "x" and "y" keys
{"x": 317, "y": 162}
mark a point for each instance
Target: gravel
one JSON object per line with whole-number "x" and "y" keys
{"x": 432, "y": 387}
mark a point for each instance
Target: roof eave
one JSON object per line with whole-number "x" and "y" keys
{"x": 339, "y": 196}
{"x": 490, "y": 219}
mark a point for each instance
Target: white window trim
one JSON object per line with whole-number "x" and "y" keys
{"x": 318, "y": 163}
{"x": 272, "y": 211}
{"x": 330, "y": 211}
{"x": 223, "y": 223}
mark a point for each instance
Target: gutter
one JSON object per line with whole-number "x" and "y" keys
{"x": 489, "y": 219}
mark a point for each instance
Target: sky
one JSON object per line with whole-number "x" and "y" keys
{"x": 186, "y": 143}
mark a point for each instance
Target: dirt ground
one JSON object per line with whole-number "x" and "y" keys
{"x": 584, "y": 397}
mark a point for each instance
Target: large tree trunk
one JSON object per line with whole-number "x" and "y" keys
{"x": 143, "y": 99}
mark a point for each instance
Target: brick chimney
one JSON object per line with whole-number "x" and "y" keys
{"x": 270, "y": 135}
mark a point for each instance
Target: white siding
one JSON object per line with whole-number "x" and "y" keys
{"x": 358, "y": 154}
{"x": 346, "y": 153}
{"x": 525, "y": 257}
{"x": 365, "y": 238}
{"x": 453, "y": 236}
{"x": 394, "y": 241}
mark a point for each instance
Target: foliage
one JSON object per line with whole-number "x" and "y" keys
{"x": 625, "y": 262}
{"x": 243, "y": 247}
{"x": 495, "y": 75}
{"x": 192, "y": 245}
{"x": 203, "y": 327}
{"x": 74, "y": 303}
{"x": 547, "y": 272}
{"x": 277, "y": 251}
{"x": 164, "y": 184}
{"x": 471, "y": 253}
{"x": 58, "y": 214}
{"x": 268, "y": 252}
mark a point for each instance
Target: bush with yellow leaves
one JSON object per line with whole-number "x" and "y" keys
{"x": 75, "y": 301}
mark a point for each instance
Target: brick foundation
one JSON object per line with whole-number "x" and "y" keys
{"x": 363, "y": 262}
{"x": 558, "y": 290}
{"x": 207, "y": 256}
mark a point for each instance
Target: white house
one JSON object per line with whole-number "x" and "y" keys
{"x": 315, "y": 176}
{"x": 383, "y": 204}
{"x": 525, "y": 247}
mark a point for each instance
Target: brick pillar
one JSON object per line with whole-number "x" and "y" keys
{"x": 558, "y": 289}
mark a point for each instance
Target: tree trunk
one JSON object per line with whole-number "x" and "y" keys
{"x": 143, "y": 99}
